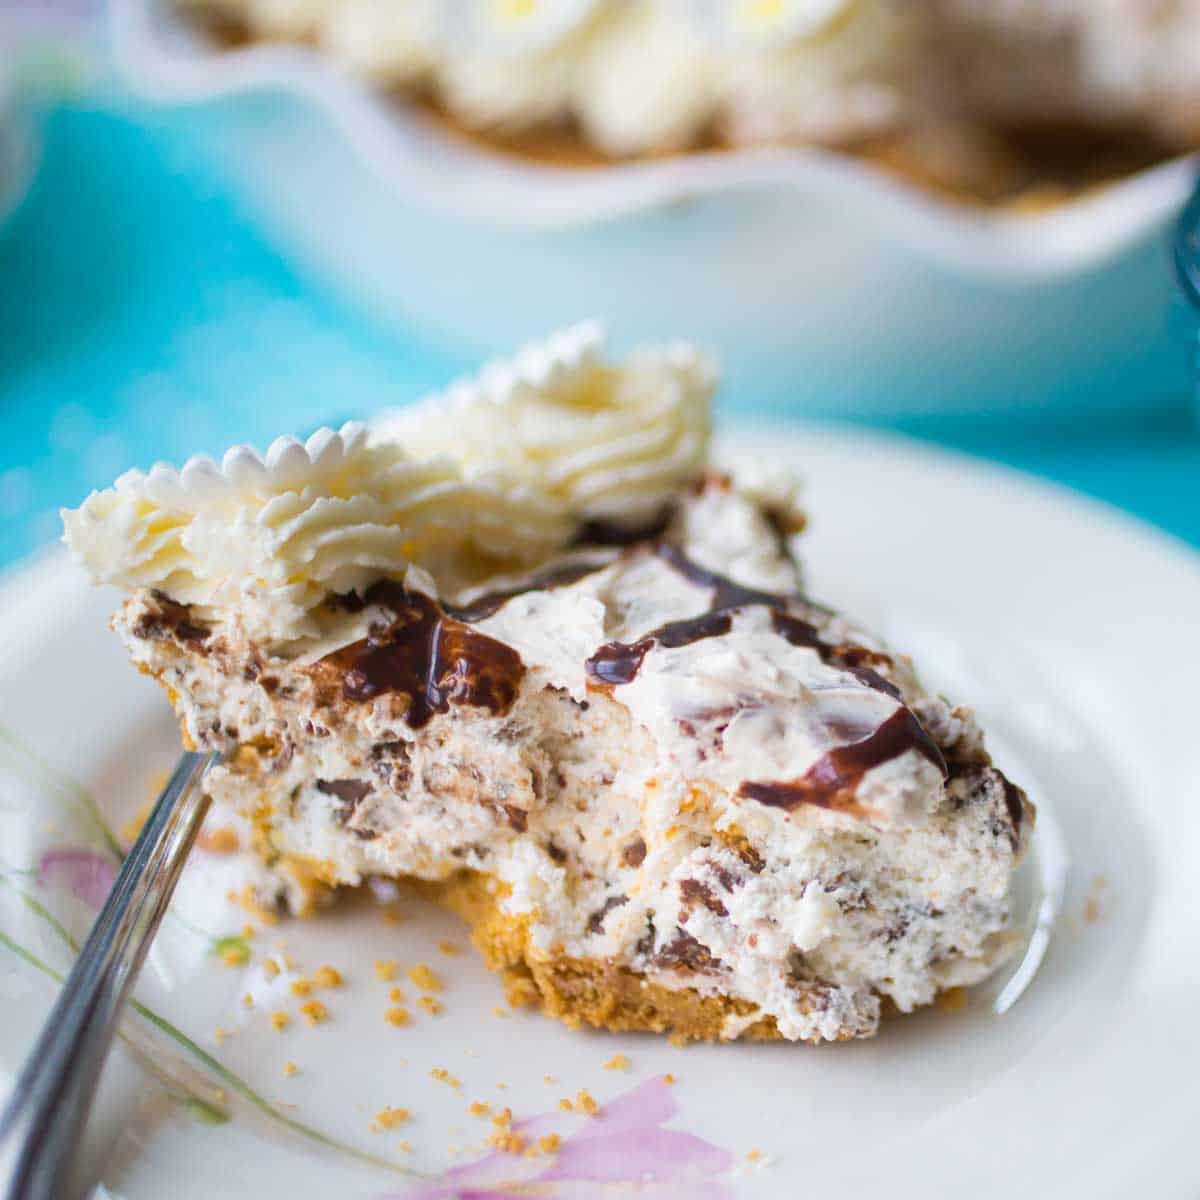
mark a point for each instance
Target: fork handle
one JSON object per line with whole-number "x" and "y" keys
{"x": 43, "y": 1119}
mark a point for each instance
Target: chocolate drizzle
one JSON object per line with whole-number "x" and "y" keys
{"x": 429, "y": 655}
{"x": 563, "y": 575}
{"x": 1014, "y": 801}
{"x": 832, "y": 780}
{"x": 600, "y": 531}
{"x": 618, "y": 663}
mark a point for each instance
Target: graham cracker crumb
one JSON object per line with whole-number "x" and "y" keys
{"x": 397, "y": 1016}
{"x": 952, "y": 1000}
{"x": 386, "y": 969}
{"x": 389, "y": 1118}
{"x": 425, "y": 978}
{"x": 248, "y": 899}
{"x": 220, "y": 841}
{"x": 300, "y": 987}
{"x": 327, "y": 977}
{"x": 280, "y": 1021}
{"x": 1093, "y": 906}
{"x": 431, "y": 1005}
{"x": 618, "y": 1062}
{"x": 314, "y": 1012}
{"x": 507, "y": 1143}
{"x": 290, "y": 1069}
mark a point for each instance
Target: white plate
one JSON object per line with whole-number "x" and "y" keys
{"x": 1070, "y": 627}
{"x": 824, "y": 284}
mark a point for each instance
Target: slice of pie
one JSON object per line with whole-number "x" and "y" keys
{"x": 524, "y": 644}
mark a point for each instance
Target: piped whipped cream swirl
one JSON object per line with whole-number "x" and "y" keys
{"x": 604, "y": 441}
{"x": 498, "y": 476}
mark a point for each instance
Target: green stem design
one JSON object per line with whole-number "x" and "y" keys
{"x": 81, "y": 798}
{"x": 235, "y": 1083}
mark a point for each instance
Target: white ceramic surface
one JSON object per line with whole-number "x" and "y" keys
{"x": 824, "y": 285}
{"x": 1069, "y": 626}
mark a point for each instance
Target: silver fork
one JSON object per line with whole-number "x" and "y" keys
{"x": 43, "y": 1120}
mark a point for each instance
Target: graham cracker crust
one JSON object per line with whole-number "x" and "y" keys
{"x": 587, "y": 993}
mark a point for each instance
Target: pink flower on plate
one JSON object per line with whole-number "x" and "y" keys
{"x": 84, "y": 873}
{"x": 624, "y": 1145}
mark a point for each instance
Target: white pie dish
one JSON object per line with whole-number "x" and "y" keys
{"x": 1082, "y": 1088}
{"x": 822, "y": 284}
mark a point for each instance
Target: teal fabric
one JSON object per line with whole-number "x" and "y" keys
{"x": 143, "y": 317}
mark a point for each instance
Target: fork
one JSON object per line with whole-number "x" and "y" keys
{"x": 43, "y": 1119}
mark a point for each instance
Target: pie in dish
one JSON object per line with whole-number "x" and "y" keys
{"x": 980, "y": 98}
{"x": 526, "y": 645}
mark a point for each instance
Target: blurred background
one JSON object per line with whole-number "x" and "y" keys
{"x": 207, "y": 237}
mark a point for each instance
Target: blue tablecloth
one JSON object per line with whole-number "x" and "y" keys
{"x": 142, "y": 316}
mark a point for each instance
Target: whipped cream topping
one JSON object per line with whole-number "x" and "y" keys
{"x": 517, "y": 71}
{"x": 772, "y": 22}
{"x": 516, "y": 27}
{"x": 390, "y": 42}
{"x": 850, "y": 78}
{"x": 648, "y": 82}
{"x": 634, "y": 76}
{"x": 498, "y": 475}
{"x": 605, "y": 441}
{"x": 272, "y": 537}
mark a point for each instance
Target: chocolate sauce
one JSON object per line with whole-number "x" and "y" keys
{"x": 619, "y": 662}
{"x": 831, "y": 781}
{"x": 1014, "y": 801}
{"x": 603, "y": 532}
{"x": 428, "y": 655}
{"x": 563, "y": 575}
{"x": 726, "y": 593}
{"x": 615, "y": 663}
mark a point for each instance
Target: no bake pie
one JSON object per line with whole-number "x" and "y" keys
{"x": 526, "y": 645}
{"x": 988, "y": 100}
